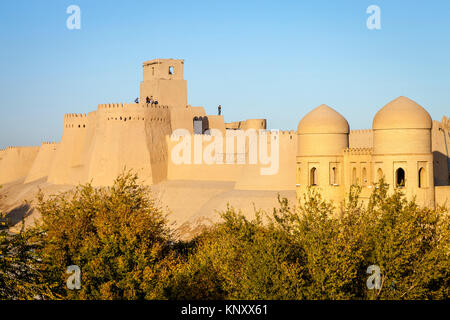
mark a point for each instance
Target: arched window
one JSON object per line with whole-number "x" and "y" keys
{"x": 400, "y": 178}
{"x": 380, "y": 174}
{"x": 198, "y": 125}
{"x": 334, "y": 176}
{"x": 364, "y": 176}
{"x": 422, "y": 178}
{"x": 313, "y": 175}
{"x": 201, "y": 125}
{"x": 205, "y": 125}
{"x": 354, "y": 177}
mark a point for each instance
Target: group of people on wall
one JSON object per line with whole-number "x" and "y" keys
{"x": 148, "y": 100}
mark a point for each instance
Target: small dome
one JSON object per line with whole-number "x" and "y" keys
{"x": 402, "y": 113}
{"x": 323, "y": 119}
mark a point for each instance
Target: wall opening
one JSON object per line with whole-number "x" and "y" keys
{"x": 380, "y": 175}
{"x": 170, "y": 70}
{"x": 422, "y": 178}
{"x": 198, "y": 125}
{"x": 334, "y": 176}
{"x": 364, "y": 176}
{"x": 205, "y": 125}
{"x": 201, "y": 125}
{"x": 313, "y": 175}
{"x": 400, "y": 178}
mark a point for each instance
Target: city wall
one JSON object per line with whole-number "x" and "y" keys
{"x": 43, "y": 163}
{"x": 361, "y": 138}
{"x": 440, "y": 137}
{"x": 16, "y": 162}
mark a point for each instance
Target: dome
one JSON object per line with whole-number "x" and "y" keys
{"x": 402, "y": 113}
{"x": 323, "y": 119}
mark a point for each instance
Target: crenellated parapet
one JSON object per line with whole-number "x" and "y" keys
{"x": 358, "y": 151}
{"x": 16, "y": 161}
{"x": 361, "y": 131}
{"x": 75, "y": 120}
{"x": 18, "y": 147}
{"x": 445, "y": 122}
{"x": 290, "y": 132}
{"x": 131, "y": 106}
{"x": 361, "y": 138}
{"x": 134, "y": 112}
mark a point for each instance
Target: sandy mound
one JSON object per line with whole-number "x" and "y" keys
{"x": 192, "y": 205}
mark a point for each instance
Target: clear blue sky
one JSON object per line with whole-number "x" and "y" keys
{"x": 258, "y": 59}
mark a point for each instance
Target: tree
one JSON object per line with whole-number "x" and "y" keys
{"x": 116, "y": 235}
{"x": 407, "y": 242}
{"x": 239, "y": 259}
{"x": 20, "y": 275}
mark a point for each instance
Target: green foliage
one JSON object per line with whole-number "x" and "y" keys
{"x": 120, "y": 239}
{"x": 408, "y": 243}
{"x": 411, "y": 246}
{"x": 116, "y": 235}
{"x": 20, "y": 277}
{"x": 239, "y": 259}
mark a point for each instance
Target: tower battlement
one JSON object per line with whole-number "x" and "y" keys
{"x": 163, "y": 82}
{"x": 163, "y": 69}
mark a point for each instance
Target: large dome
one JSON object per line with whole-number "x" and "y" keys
{"x": 402, "y": 113}
{"x": 323, "y": 119}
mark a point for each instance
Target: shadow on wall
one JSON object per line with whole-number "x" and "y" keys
{"x": 441, "y": 169}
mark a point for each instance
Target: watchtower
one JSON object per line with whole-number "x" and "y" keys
{"x": 163, "y": 80}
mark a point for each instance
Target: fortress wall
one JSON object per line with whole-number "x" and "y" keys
{"x": 2, "y": 154}
{"x": 247, "y": 124}
{"x": 167, "y": 92}
{"x": 217, "y": 122}
{"x": 442, "y": 194}
{"x": 68, "y": 162}
{"x": 199, "y": 170}
{"x": 16, "y": 163}
{"x": 82, "y": 171}
{"x": 440, "y": 137}
{"x": 361, "y": 138}
{"x": 120, "y": 143}
{"x": 247, "y": 176}
{"x": 198, "y": 111}
{"x": 43, "y": 162}
{"x": 182, "y": 118}
{"x": 255, "y": 124}
{"x": 284, "y": 179}
{"x": 157, "y": 127}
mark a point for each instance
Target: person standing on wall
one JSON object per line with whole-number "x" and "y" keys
{"x": 219, "y": 108}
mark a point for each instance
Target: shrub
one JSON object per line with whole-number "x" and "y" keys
{"x": 116, "y": 235}
{"x": 408, "y": 243}
{"x": 239, "y": 259}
